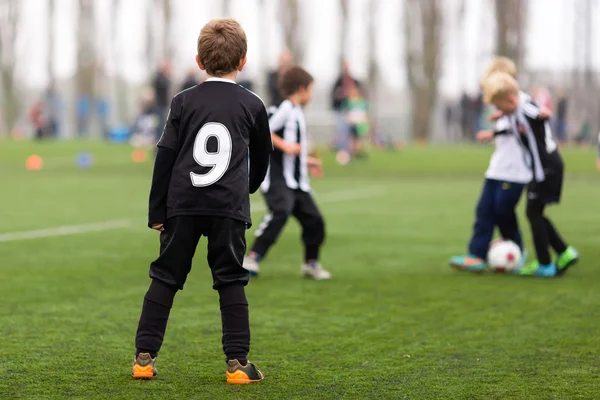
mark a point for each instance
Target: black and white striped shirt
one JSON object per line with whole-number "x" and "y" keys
{"x": 287, "y": 121}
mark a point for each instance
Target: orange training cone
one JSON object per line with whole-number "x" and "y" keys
{"x": 34, "y": 162}
{"x": 138, "y": 156}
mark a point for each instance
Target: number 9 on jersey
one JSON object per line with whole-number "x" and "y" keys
{"x": 218, "y": 161}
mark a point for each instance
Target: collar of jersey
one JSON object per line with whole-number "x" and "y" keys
{"x": 220, "y": 80}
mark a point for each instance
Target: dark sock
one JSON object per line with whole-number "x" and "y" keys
{"x": 557, "y": 243}
{"x": 260, "y": 248}
{"x": 153, "y": 321}
{"x": 235, "y": 321}
{"x": 311, "y": 253}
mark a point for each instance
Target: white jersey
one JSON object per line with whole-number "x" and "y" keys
{"x": 509, "y": 161}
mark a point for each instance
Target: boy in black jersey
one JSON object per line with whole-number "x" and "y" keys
{"x": 287, "y": 186}
{"x": 547, "y": 167}
{"x": 200, "y": 187}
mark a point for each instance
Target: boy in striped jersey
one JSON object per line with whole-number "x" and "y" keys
{"x": 286, "y": 188}
{"x": 547, "y": 168}
{"x": 505, "y": 179}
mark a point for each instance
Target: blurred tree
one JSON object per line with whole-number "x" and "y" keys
{"x": 343, "y": 31}
{"x": 119, "y": 86}
{"x": 423, "y": 28}
{"x": 226, "y": 12}
{"x": 511, "y": 16}
{"x": 50, "y": 60}
{"x": 290, "y": 21}
{"x": 167, "y": 13}
{"x": 372, "y": 70}
{"x": 9, "y": 30}
{"x": 86, "y": 50}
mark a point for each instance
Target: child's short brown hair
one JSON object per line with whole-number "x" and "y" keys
{"x": 500, "y": 64}
{"x": 293, "y": 80}
{"x": 499, "y": 84}
{"x": 221, "y": 45}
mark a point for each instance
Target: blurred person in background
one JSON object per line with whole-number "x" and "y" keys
{"x": 146, "y": 127}
{"x": 103, "y": 108}
{"x": 191, "y": 79}
{"x": 162, "y": 85}
{"x": 560, "y": 122}
{"x": 285, "y": 62}
{"x": 356, "y": 116}
{"x": 466, "y": 114}
{"x": 84, "y": 111}
{"x": 339, "y": 94}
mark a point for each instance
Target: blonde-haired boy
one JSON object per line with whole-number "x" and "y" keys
{"x": 530, "y": 124}
{"x": 505, "y": 180}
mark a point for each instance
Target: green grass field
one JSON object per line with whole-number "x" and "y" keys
{"x": 394, "y": 323}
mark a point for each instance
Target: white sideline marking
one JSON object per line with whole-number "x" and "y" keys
{"x": 65, "y": 230}
{"x": 334, "y": 197}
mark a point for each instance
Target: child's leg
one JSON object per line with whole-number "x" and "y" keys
{"x": 556, "y": 241}
{"x": 507, "y": 198}
{"x": 226, "y": 249}
{"x": 313, "y": 226}
{"x": 280, "y": 202}
{"x": 539, "y": 230}
{"x": 168, "y": 272}
{"x": 483, "y": 229}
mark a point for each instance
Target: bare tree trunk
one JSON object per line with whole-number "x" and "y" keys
{"x": 226, "y": 8}
{"x": 290, "y": 20}
{"x": 343, "y": 31}
{"x": 120, "y": 88}
{"x": 372, "y": 71}
{"x": 86, "y": 50}
{"x": 510, "y": 19}
{"x": 167, "y": 7}
{"x": 50, "y": 60}
{"x": 423, "y": 26}
{"x": 9, "y": 25}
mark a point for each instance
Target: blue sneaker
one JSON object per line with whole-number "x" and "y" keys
{"x": 251, "y": 264}
{"x": 468, "y": 263}
{"x": 536, "y": 269}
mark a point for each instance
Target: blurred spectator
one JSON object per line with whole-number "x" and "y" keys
{"x": 162, "y": 85}
{"x": 466, "y": 116}
{"x": 561, "y": 118}
{"x": 285, "y": 61}
{"x": 477, "y": 116}
{"x": 52, "y": 109}
{"x": 191, "y": 79}
{"x": 146, "y": 127}
{"x": 83, "y": 115}
{"x": 36, "y": 118}
{"x": 339, "y": 93}
{"x": 103, "y": 108}
{"x": 356, "y": 115}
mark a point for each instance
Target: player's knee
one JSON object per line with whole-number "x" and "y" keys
{"x": 533, "y": 213}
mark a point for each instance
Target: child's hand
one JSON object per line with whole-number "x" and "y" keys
{"x": 314, "y": 166}
{"x": 158, "y": 227}
{"x": 545, "y": 113}
{"x": 292, "y": 149}
{"x": 496, "y": 116}
{"x": 598, "y": 164}
{"x": 485, "y": 136}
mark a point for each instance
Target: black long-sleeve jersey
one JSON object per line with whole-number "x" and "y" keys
{"x": 213, "y": 152}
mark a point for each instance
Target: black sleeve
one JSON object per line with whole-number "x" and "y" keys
{"x": 260, "y": 149}
{"x": 163, "y": 166}
{"x": 170, "y": 134}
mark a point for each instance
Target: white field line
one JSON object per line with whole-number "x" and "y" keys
{"x": 335, "y": 197}
{"x": 65, "y": 230}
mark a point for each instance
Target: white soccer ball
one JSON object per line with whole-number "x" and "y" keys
{"x": 504, "y": 256}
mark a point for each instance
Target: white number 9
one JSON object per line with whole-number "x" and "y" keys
{"x": 218, "y": 161}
